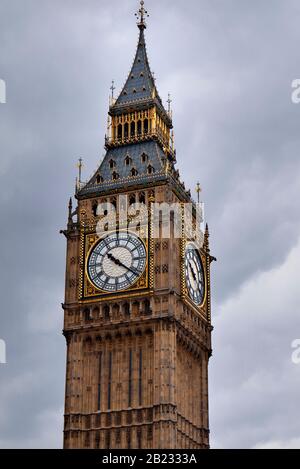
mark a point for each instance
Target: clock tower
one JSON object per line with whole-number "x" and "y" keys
{"x": 137, "y": 310}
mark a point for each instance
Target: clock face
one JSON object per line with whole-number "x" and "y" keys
{"x": 194, "y": 275}
{"x": 117, "y": 262}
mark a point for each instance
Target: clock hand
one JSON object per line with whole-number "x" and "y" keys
{"x": 193, "y": 272}
{"x": 118, "y": 262}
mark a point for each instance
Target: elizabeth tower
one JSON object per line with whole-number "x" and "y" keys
{"x": 137, "y": 317}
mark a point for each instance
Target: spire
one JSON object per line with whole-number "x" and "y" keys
{"x": 206, "y": 239}
{"x": 70, "y": 220}
{"x": 169, "y": 101}
{"x": 138, "y": 113}
{"x": 140, "y": 84}
{"x": 79, "y": 166}
{"x": 199, "y": 190}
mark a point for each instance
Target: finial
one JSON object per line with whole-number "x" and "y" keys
{"x": 172, "y": 140}
{"x": 70, "y": 220}
{"x": 111, "y": 97}
{"x": 198, "y": 190}
{"x": 169, "y": 100}
{"x": 141, "y": 15}
{"x": 206, "y": 239}
{"x": 153, "y": 76}
{"x": 108, "y": 127}
{"x": 79, "y": 166}
{"x": 112, "y": 88}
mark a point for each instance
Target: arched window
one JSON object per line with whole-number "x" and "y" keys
{"x": 126, "y": 130}
{"x": 99, "y": 179}
{"x": 132, "y": 199}
{"x": 147, "y": 307}
{"x": 87, "y": 315}
{"x": 116, "y": 310}
{"x": 151, "y": 170}
{"x": 106, "y": 312}
{"x": 139, "y": 127}
{"x": 132, "y": 129}
{"x": 136, "y": 308}
{"x": 142, "y": 198}
{"x": 112, "y": 164}
{"x": 144, "y": 158}
{"x": 126, "y": 309}
{"x": 146, "y": 126}
{"x": 95, "y": 208}
{"x": 96, "y": 312}
{"x": 128, "y": 160}
{"x": 120, "y": 131}
{"x": 115, "y": 176}
{"x": 134, "y": 172}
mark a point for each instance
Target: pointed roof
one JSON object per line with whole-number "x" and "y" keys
{"x": 141, "y": 157}
{"x": 140, "y": 89}
{"x": 142, "y": 160}
{"x": 140, "y": 83}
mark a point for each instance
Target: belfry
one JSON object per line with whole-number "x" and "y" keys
{"x": 137, "y": 309}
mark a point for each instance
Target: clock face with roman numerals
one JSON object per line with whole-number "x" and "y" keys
{"x": 117, "y": 262}
{"x": 194, "y": 275}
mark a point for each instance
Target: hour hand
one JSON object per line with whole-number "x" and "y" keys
{"x": 193, "y": 272}
{"x": 118, "y": 262}
{"x": 115, "y": 260}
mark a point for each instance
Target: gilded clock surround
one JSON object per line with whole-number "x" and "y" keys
{"x": 88, "y": 290}
{"x": 205, "y": 260}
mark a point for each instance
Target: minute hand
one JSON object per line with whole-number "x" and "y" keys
{"x": 118, "y": 262}
{"x": 193, "y": 272}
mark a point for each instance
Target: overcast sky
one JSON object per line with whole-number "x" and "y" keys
{"x": 229, "y": 65}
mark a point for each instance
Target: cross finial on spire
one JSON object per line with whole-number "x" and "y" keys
{"x": 70, "y": 221}
{"x": 198, "y": 190}
{"x": 169, "y": 100}
{"x": 141, "y": 15}
{"x": 79, "y": 166}
{"x": 112, "y": 88}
